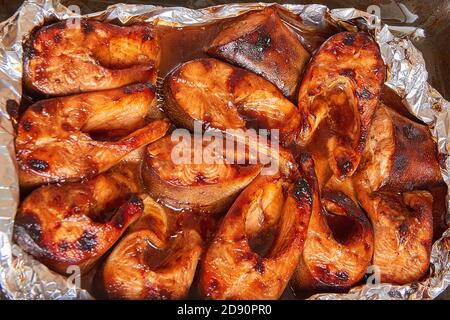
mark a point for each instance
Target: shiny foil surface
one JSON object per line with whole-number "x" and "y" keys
{"x": 22, "y": 277}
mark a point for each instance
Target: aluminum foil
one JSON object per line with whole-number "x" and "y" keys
{"x": 22, "y": 277}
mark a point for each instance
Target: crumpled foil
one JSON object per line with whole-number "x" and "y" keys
{"x": 22, "y": 277}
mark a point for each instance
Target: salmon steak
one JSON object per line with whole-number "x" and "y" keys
{"x": 86, "y": 55}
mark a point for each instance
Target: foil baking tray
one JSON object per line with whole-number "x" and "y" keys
{"x": 22, "y": 277}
